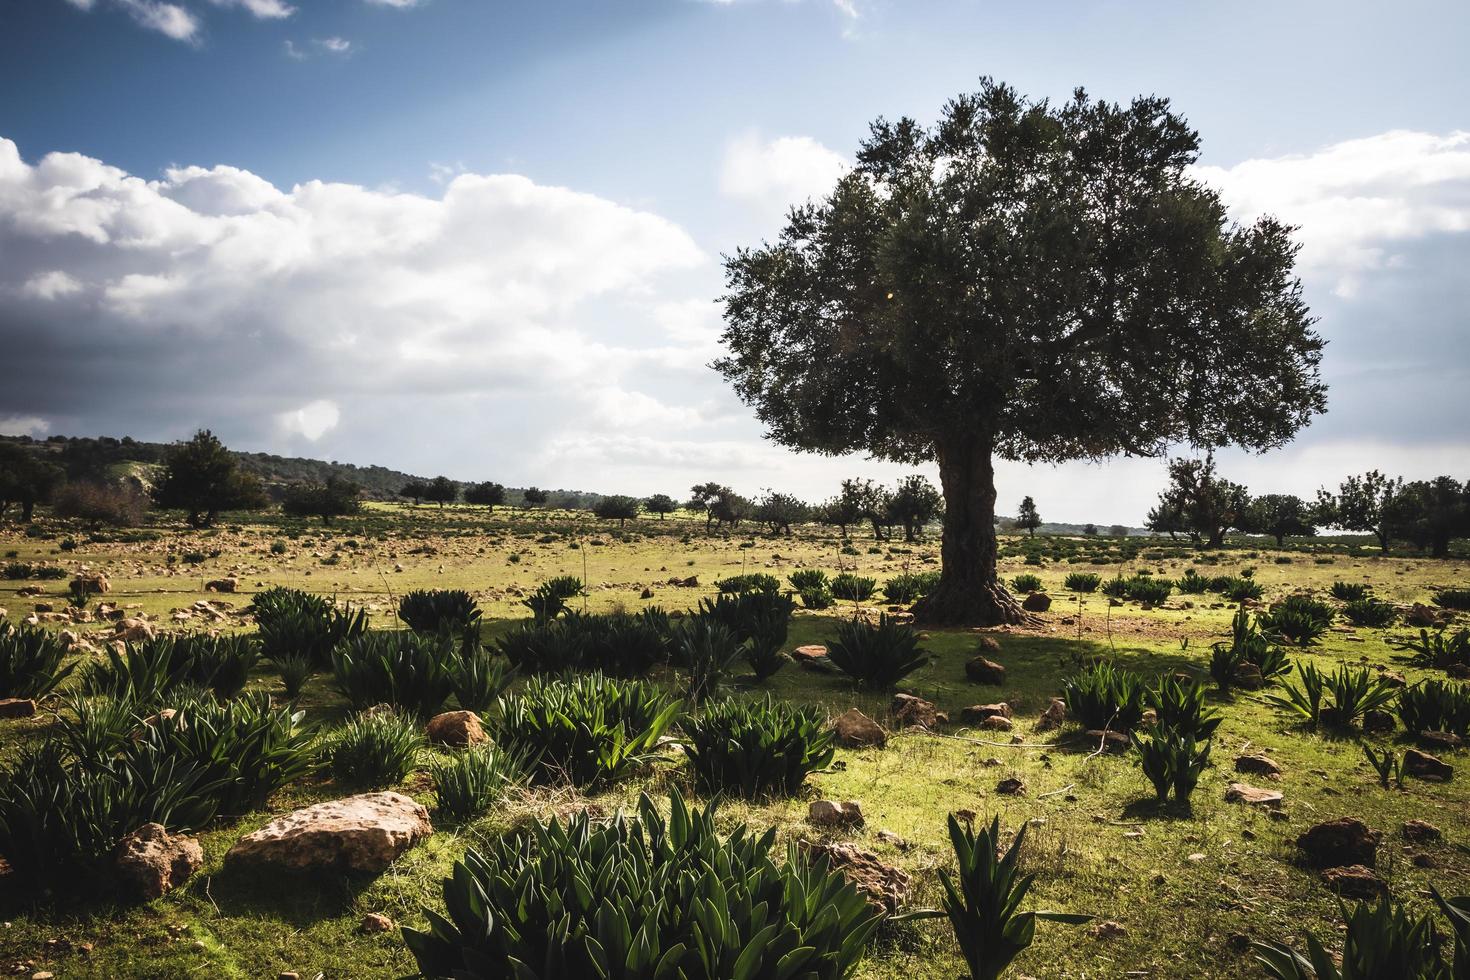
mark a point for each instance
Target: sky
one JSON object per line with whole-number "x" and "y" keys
{"x": 484, "y": 239}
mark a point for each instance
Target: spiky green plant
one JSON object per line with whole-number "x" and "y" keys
{"x": 853, "y": 588}
{"x": 909, "y": 587}
{"x": 1238, "y": 588}
{"x": 1350, "y": 591}
{"x": 706, "y": 649}
{"x": 1298, "y": 619}
{"x": 1026, "y": 582}
{"x": 1439, "y": 649}
{"x": 1339, "y": 699}
{"x": 436, "y": 610}
{"x": 1435, "y": 706}
{"x": 293, "y": 623}
{"x": 468, "y": 783}
{"x": 1458, "y": 599}
{"x": 805, "y": 579}
{"x": 1383, "y": 941}
{"x": 876, "y": 656}
{"x": 1170, "y": 760}
{"x": 1104, "y": 696}
{"x": 1369, "y": 611}
{"x": 983, "y": 900}
{"x": 1388, "y": 764}
{"x": 752, "y": 582}
{"x": 646, "y": 898}
{"x": 1082, "y": 581}
{"x": 756, "y": 749}
{"x": 412, "y": 672}
{"x": 1179, "y": 705}
{"x": 479, "y": 677}
{"x": 373, "y": 750}
{"x": 30, "y": 662}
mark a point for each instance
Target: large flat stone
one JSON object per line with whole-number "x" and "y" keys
{"x": 358, "y": 833}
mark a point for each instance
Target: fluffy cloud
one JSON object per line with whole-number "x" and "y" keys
{"x": 774, "y": 174}
{"x": 264, "y": 9}
{"x": 23, "y": 425}
{"x": 312, "y": 420}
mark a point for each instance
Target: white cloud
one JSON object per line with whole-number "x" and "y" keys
{"x": 312, "y": 420}
{"x": 264, "y": 9}
{"x": 1358, "y": 200}
{"x": 334, "y": 45}
{"x": 50, "y": 285}
{"x": 775, "y": 174}
{"x": 398, "y": 4}
{"x": 23, "y": 425}
{"x": 168, "y": 19}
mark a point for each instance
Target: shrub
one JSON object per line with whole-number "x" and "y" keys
{"x": 756, "y": 749}
{"x": 545, "y": 647}
{"x": 412, "y": 672}
{"x": 668, "y": 898}
{"x": 983, "y": 908}
{"x": 1083, "y": 581}
{"x": 753, "y": 582}
{"x": 909, "y": 587}
{"x": 876, "y": 656}
{"x": 1297, "y": 619}
{"x": 1458, "y": 599}
{"x": 1105, "y": 697}
{"x": 1179, "y": 706}
{"x": 1435, "y": 706}
{"x": 295, "y": 624}
{"x": 804, "y": 579}
{"x": 468, "y": 783}
{"x": 706, "y": 648}
{"x": 1239, "y": 589}
{"x": 1170, "y": 760}
{"x": 1192, "y": 583}
{"x": 1247, "y": 645}
{"x": 1115, "y": 587}
{"x": 589, "y": 729}
{"x": 1026, "y": 583}
{"x": 1144, "y": 588}
{"x": 294, "y": 669}
{"x": 816, "y": 598}
{"x": 749, "y": 614}
{"x": 1225, "y": 662}
{"x": 30, "y": 662}
{"x": 436, "y": 610}
{"x": 373, "y": 750}
{"x": 1388, "y": 764}
{"x": 278, "y": 547}
{"x": 1383, "y": 940}
{"x": 1369, "y": 611}
{"x": 119, "y": 505}
{"x": 853, "y": 588}
{"x": 1340, "y": 699}
{"x": 1439, "y": 650}
{"x": 479, "y": 677}
{"x": 1350, "y": 591}
{"x": 18, "y": 570}
{"x": 623, "y": 644}
{"x": 550, "y": 598}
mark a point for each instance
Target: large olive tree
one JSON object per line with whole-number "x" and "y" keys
{"x": 1026, "y": 281}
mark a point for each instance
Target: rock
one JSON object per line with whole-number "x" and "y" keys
{"x": 375, "y": 922}
{"x": 134, "y": 629}
{"x": 997, "y": 723}
{"x": 977, "y": 713}
{"x": 456, "y": 728}
{"x": 835, "y": 813}
{"x": 813, "y": 656}
{"x": 17, "y": 708}
{"x": 884, "y": 886}
{"x": 1249, "y": 677}
{"x": 647, "y": 593}
{"x": 1354, "y": 881}
{"x": 1252, "y": 795}
{"x": 91, "y": 583}
{"x": 1011, "y": 787}
{"x": 1107, "y": 929}
{"x": 1420, "y": 832}
{"x": 909, "y": 710}
{"x": 358, "y": 833}
{"x": 222, "y": 585}
{"x": 1425, "y": 766}
{"x": 152, "y": 862}
{"x": 1424, "y": 616}
{"x": 988, "y": 644}
{"x": 1036, "y": 602}
{"x": 893, "y": 840}
{"x": 1378, "y": 720}
{"x": 1257, "y": 765}
{"x": 1439, "y": 740}
{"x": 1338, "y": 843}
{"x": 1055, "y": 716}
{"x": 856, "y": 730}
{"x": 983, "y": 671}
{"x": 1110, "y": 740}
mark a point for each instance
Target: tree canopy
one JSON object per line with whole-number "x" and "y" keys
{"x": 617, "y": 508}
{"x": 1025, "y": 280}
{"x": 1280, "y": 515}
{"x": 660, "y": 504}
{"x": 202, "y": 478}
{"x": 1361, "y": 504}
{"x": 26, "y": 480}
{"x": 333, "y": 498}
{"x": 486, "y": 494}
{"x": 1429, "y": 513}
{"x": 1029, "y": 517}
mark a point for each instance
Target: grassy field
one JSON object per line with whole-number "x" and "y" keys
{"x": 1184, "y": 886}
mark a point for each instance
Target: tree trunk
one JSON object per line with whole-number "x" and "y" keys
{"x": 27, "y": 510}
{"x": 1382, "y": 541}
{"x": 1217, "y": 539}
{"x": 1280, "y": 540}
{"x": 968, "y": 592}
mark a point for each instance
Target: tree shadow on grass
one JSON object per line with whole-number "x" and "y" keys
{"x": 1149, "y": 808}
{"x": 299, "y": 898}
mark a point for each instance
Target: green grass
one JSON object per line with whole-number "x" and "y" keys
{"x": 1086, "y": 810}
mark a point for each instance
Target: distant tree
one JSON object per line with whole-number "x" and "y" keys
{"x": 485, "y": 494}
{"x": 913, "y": 504}
{"x": 1280, "y": 515}
{"x": 414, "y": 490}
{"x": 535, "y": 497}
{"x": 943, "y": 301}
{"x": 871, "y": 501}
{"x": 1166, "y": 518}
{"x": 441, "y": 490}
{"x": 1117, "y": 531}
{"x": 1090, "y": 530}
{"x": 333, "y": 498}
{"x": 778, "y": 511}
{"x": 1360, "y": 504}
{"x": 1429, "y": 514}
{"x": 201, "y": 477}
{"x": 660, "y": 504}
{"x": 617, "y": 508}
{"x": 842, "y": 511}
{"x": 116, "y": 504}
{"x": 26, "y": 479}
{"x": 1206, "y": 504}
{"x": 702, "y": 499}
{"x": 1029, "y": 518}
{"x": 730, "y": 508}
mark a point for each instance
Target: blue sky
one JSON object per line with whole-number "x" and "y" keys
{"x": 510, "y": 214}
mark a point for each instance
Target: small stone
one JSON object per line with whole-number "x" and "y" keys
{"x": 1425, "y": 766}
{"x": 1354, "y": 881}
{"x": 856, "y": 730}
{"x": 813, "y": 656}
{"x": 1011, "y": 787}
{"x": 882, "y": 885}
{"x": 17, "y": 708}
{"x": 1378, "y": 720}
{"x": 909, "y": 710}
{"x": 153, "y": 862}
{"x": 835, "y": 813}
{"x": 996, "y": 723}
{"x": 1053, "y": 717}
{"x": 1249, "y": 677}
{"x": 1257, "y": 765}
{"x": 375, "y": 922}
{"x": 1439, "y": 741}
{"x": 1252, "y": 795}
{"x": 1339, "y": 843}
{"x": 1110, "y": 740}
{"x": 1421, "y": 832}
{"x": 1107, "y": 929}
{"x": 362, "y": 833}
{"x": 977, "y": 713}
{"x": 456, "y": 728}
{"x": 983, "y": 671}
{"x": 1036, "y": 602}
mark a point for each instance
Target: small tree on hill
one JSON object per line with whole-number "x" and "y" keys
{"x": 1207, "y": 505}
{"x": 1429, "y": 514}
{"x": 485, "y": 494}
{"x": 778, "y": 511}
{"x": 702, "y": 499}
{"x": 1280, "y": 515}
{"x": 944, "y": 302}
{"x": 1360, "y": 504}
{"x": 1090, "y": 530}
{"x": 201, "y": 477}
{"x": 1117, "y": 531}
{"x": 334, "y": 498}
{"x": 914, "y": 503}
{"x": 841, "y": 512}
{"x": 730, "y": 508}
{"x": 617, "y": 508}
{"x": 441, "y": 490}
{"x": 535, "y": 497}
{"x": 1029, "y": 518}
{"x": 414, "y": 490}
{"x": 26, "y": 480}
{"x": 660, "y": 504}
{"x": 1166, "y": 518}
